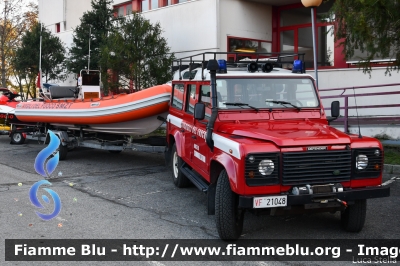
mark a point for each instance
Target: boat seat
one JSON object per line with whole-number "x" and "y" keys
{"x": 57, "y": 92}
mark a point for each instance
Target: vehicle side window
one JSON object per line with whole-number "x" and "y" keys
{"x": 205, "y": 97}
{"x": 190, "y": 98}
{"x": 177, "y": 97}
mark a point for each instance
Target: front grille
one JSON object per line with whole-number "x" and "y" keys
{"x": 252, "y": 174}
{"x": 316, "y": 167}
{"x": 375, "y": 163}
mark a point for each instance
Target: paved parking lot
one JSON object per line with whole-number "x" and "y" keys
{"x": 131, "y": 196}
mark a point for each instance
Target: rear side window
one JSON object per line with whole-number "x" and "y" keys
{"x": 177, "y": 97}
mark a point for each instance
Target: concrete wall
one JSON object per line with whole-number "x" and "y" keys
{"x": 51, "y": 12}
{"x": 244, "y": 19}
{"x": 340, "y": 78}
{"x": 189, "y": 27}
{"x": 117, "y": 2}
{"x": 65, "y": 12}
{"x": 74, "y": 11}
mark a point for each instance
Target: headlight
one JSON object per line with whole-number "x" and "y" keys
{"x": 266, "y": 167}
{"x": 361, "y": 162}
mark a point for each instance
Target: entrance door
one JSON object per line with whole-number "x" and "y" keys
{"x": 201, "y": 152}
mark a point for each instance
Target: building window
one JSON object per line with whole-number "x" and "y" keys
{"x": 58, "y": 27}
{"x": 123, "y": 9}
{"x": 295, "y": 33}
{"x": 243, "y": 45}
{"x": 145, "y": 5}
{"x": 128, "y": 9}
{"x": 154, "y": 4}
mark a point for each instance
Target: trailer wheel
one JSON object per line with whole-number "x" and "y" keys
{"x": 353, "y": 217}
{"x": 228, "y": 217}
{"x": 17, "y": 138}
{"x": 180, "y": 180}
{"x": 63, "y": 151}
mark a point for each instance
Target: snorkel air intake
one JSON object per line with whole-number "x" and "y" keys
{"x": 213, "y": 66}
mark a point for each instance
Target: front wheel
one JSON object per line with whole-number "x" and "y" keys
{"x": 17, "y": 138}
{"x": 228, "y": 217}
{"x": 180, "y": 180}
{"x": 353, "y": 217}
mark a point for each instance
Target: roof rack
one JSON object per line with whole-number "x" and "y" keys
{"x": 197, "y": 60}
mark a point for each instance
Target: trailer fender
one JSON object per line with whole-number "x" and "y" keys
{"x": 62, "y": 135}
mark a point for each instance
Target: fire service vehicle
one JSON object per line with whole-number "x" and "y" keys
{"x": 255, "y": 137}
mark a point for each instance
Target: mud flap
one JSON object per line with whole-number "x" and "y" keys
{"x": 167, "y": 155}
{"x": 211, "y": 199}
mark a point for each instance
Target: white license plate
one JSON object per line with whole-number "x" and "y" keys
{"x": 270, "y": 202}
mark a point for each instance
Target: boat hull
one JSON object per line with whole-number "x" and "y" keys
{"x": 7, "y": 115}
{"x": 108, "y": 110}
{"x": 124, "y": 114}
{"x": 134, "y": 127}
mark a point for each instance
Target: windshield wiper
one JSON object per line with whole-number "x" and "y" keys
{"x": 284, "y": 103}
{"x": 242, "y": 104}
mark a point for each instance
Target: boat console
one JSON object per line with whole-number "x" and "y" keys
{"x": 58, "y": 92}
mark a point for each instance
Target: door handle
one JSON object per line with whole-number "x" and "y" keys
{"x": 181, "y": 130}
{"x": 194, "y": 137}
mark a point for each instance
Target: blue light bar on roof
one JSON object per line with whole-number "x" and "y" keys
{"x": 297, "y": 66}
{"x": 222, "y": 66}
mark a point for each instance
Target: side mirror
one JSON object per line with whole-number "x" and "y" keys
{"x": 335, "y": 111}
{"x": 199, "y": 111}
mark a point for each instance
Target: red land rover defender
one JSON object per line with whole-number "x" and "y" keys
{"x": 254, "y": 136}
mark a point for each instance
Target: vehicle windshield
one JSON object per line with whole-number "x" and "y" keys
{"x": 266, "y": 93}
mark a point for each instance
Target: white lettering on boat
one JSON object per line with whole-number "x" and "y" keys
{"x": 45, "y": 106}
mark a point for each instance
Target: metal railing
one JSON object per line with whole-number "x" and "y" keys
{"x": 362, "y": 120}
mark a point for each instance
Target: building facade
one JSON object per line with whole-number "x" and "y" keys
{"x": 195, "y": 26}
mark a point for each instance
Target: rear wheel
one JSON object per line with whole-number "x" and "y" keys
{"x": 353, "y": 217}
{"x": 228, "y": 217}
{"x": 180, "y": 180}
{"x": 17, "y": 138}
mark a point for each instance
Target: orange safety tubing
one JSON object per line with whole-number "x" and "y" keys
{"x": 104, "y": 119}
{"x": 105, "y": 102}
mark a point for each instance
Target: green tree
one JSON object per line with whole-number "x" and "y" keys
{"x": 373, "y": 26}
{"x": 95, "y": 25}
{"x": 138, "y": 53}
{"x": 12, "y": 23}
{"x": 26, "y": 60}
{"x": 30, "y": 18}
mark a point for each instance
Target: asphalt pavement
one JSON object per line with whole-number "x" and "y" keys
{"x": 131, "y": 196}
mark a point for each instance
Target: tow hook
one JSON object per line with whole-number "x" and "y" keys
{"x": 342, "y": 202}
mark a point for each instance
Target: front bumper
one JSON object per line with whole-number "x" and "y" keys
{"x": 347, "y": 195}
